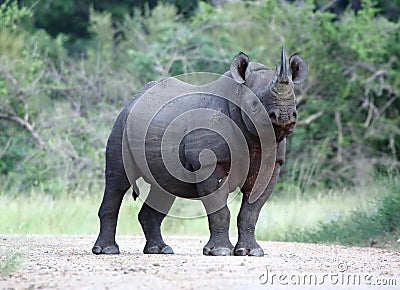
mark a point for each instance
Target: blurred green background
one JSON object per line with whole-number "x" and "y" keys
{"x": 68, "y": 67}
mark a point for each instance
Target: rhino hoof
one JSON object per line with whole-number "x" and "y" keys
{"x": 217, "y": 251}
{"x": 158, "y": 250}
{"x": 257, "y": 252}
{"x": 109, "y": 250}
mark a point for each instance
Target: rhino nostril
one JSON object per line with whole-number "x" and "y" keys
{"x": 272, "y": 116}
{"x": 293, "y": 114}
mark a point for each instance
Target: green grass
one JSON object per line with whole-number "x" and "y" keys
{"x": 377, "y": 225}
{"x": 10, "y": 264}
{"x": 284, "y": 214}
{"x": 41, "y": 214}
{"x": 302, "y": 211}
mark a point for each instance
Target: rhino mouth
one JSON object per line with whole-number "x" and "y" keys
{"x": 282, "y": 131}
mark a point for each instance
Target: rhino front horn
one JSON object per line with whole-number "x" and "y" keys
{"x": 282, "y": 77}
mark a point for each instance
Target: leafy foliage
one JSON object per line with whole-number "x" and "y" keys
{"x": 57, "y": 103}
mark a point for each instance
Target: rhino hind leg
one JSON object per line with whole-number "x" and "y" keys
{"x": 116, "y": 187}
{"x": 218, "y": 217}
{"x": 151, "y": 216}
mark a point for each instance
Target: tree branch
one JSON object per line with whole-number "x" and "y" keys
{"x": 338, "y": 121}
{"x": 311, "y": 118}
{"x": 26, "y": 125}
{"x": 8, "y": 143}
{"x": 327, "y": 6}
{"x": 11, "y": 79}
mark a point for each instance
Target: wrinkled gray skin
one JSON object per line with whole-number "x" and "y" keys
{"x": 275, "y": 90}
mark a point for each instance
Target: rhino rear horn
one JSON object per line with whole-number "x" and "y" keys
{"x": 239, "y": 66}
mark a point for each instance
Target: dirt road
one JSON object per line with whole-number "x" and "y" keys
{"x": 66, "y": 262}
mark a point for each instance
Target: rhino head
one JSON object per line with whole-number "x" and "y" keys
{"x": 274, "y": 88}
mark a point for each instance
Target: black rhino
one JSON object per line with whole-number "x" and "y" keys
{"x": 273, "y": 89}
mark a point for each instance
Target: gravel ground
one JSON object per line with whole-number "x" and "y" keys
{"x": 66, "y": 262}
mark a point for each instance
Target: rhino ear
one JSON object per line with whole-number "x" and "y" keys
{"x": 298, "y": 68}
{"x": 239, "y": 66}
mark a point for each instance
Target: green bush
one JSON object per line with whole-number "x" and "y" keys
{"x": 380, "y": 223}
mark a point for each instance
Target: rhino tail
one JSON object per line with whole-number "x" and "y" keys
{"x": 135, "y": 191}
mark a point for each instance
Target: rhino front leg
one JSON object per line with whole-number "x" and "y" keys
{"x": 116, "y": 187}
{"x": 151, "y": 216}
{"x": 247, "y": 219}
{"x": 249, "y": 212}
{"x": 215, "y": 203}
